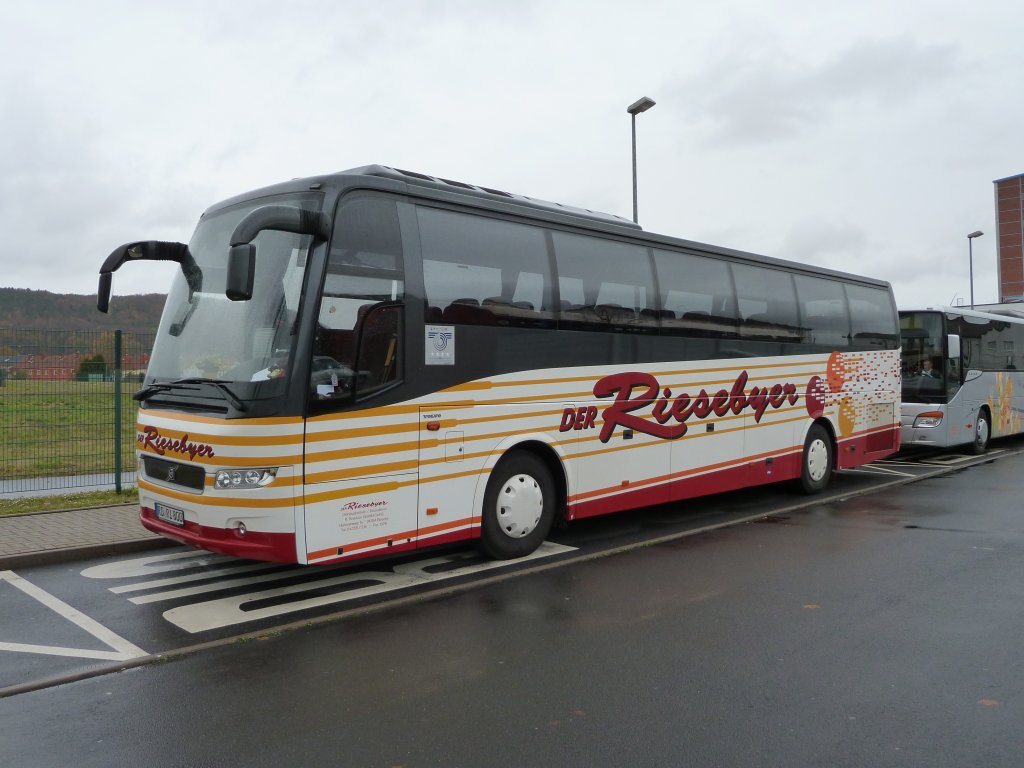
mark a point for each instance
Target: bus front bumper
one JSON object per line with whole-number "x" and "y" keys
{"x": 253, "y": 545}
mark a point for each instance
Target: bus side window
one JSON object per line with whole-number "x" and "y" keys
{"x": 872, "y": 317}
{"x": 483, "y": 271}
{"x": 605, "y": 285}
{"x": 379, "y": 361}
{"x": 767, "y": 304}
{"x": 823, "y": 307}
{"x": 696, "y": 296}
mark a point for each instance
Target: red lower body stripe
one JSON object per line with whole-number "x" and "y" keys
{"x": 275, "y": 547}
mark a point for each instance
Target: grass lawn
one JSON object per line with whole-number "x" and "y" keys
{"x": 58, "y": 428}
{"x": 67, "y": 501}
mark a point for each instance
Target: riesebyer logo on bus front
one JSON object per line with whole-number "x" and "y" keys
{"x": 640, "y": 403}
{"x": 150, "y": 439}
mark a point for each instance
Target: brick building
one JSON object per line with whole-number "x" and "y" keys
{"x": 1009, "y": 223}
{"x": 66, "y": 367}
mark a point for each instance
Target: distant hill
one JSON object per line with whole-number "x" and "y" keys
{"x": 23, "y": 308}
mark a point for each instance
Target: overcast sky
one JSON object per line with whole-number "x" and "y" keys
{"x": 862, "y": 135}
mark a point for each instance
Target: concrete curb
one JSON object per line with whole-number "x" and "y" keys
{"x": 65, "y": 554}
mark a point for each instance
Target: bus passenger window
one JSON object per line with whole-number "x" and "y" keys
{"x": 483, "y": 271}
{"x": 696, "y": 296}
{"x": 826, "y": 318}
{"x": 605, "y": 285}
{"x": 766, "y": 299}
{"x": 872, "y": 317}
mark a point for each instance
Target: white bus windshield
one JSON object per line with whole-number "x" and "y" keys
{"x": 922, "y": 361}
{"x": 246, "y": 344}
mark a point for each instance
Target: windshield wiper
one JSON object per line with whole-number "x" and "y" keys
{"x": 164, "y": 386}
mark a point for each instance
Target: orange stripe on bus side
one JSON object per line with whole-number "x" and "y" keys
{"x": 369, "y": 450}
{"x": 192, "y": 419}
{"x": 354, "y": 473}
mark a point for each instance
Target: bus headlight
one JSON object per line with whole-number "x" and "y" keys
{"x": 928, "y": 419}
{"x": 244, "y": 478}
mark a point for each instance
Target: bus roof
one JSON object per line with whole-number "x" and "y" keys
{"x": 387, "y": 178}
{"x": 1005, "y": 315}
{"x": 486, "y": 193}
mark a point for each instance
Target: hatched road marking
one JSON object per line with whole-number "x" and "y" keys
{"x": 267, "y": 602}
{"x": 122, "y": 649}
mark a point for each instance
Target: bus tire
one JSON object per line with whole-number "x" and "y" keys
{"x": 817, "y": 461}
{"x": 519, "y": 506}
{"x": 982, "y": 433}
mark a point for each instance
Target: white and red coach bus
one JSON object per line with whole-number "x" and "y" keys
{"x": 376, "y": 361}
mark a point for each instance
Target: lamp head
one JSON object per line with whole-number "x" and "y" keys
{"x": 640, "y": 105}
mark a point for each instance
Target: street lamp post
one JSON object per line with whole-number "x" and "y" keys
{"x": 634, "y": 109}
{"x": 970, "y": 256}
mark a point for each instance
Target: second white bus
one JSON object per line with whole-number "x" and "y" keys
{"x": 962, "y": 384}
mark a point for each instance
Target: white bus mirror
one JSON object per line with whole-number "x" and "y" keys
{"x": 953, "y": 346}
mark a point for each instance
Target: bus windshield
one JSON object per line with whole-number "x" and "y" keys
{"x": 243, "y": 344}
{"x": 922, "y": 362}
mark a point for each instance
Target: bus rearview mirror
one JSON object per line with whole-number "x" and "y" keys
{"x": 103, "y": 292}
{"x": 953, "y": 346}
{"x": 241, "y": 272}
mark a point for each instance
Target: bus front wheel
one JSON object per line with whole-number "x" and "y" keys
{"x": 818, "y": 460}
{"x": 982, "y": 432}
{"x": 519, "y": 506}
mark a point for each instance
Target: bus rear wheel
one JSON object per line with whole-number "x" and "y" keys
{"x": 518, "y": 508}
{"x": 982, "y": 433}
{"x": 818, "y": 460}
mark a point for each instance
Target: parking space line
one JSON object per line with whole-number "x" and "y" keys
{"x": 122, "y": 649}
{"x": 872, "y": 469}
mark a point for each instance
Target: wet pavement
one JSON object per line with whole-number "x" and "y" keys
{"x": 880, "y": 629}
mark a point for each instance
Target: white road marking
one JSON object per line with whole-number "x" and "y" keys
{"x": 955, "y": 458}
{"x": 228, "y": 611}
{"x": 147, "y": 566}
{"x": 872, "y": 469}
{"x": 197, "y": 577}
{"x": 218, "y": 586}
{"x": 123, "y": 650}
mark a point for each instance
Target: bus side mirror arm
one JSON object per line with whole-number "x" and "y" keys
{"x": 148, "y": 250}
{"x": 242, "y": 256}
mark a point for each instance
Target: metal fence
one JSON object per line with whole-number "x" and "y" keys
{"x": 67, "y": 417}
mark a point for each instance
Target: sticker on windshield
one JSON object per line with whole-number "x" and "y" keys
{"x": 440, "y": 345}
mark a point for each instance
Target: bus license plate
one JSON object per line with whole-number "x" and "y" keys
{"x": 171, "y": 515}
